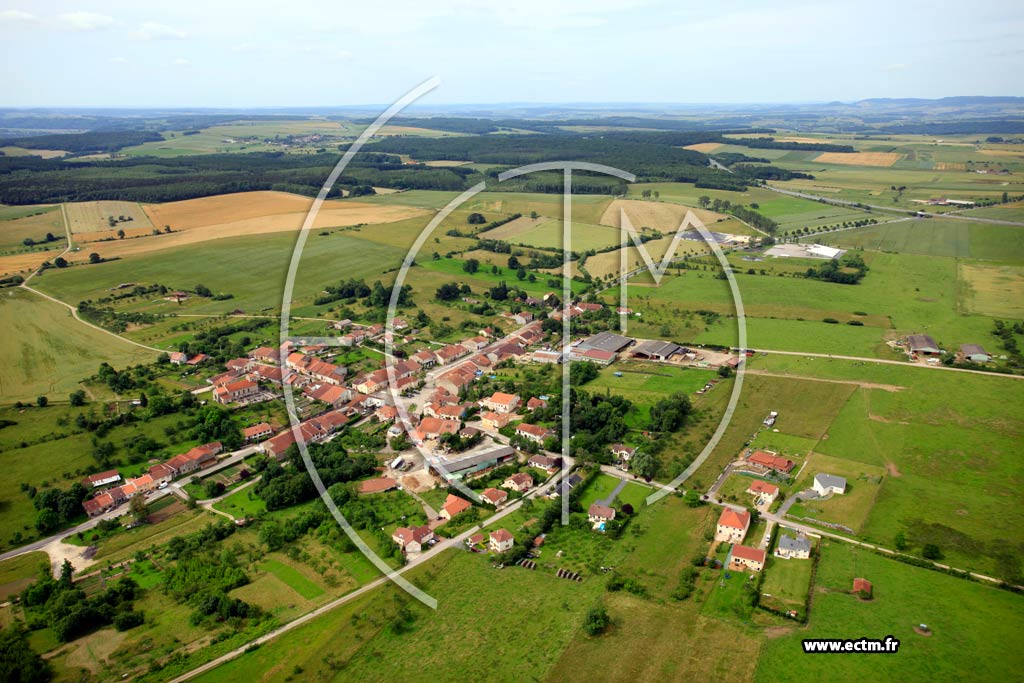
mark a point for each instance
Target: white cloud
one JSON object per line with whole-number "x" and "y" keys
{"x": 85, "y": 21}
{"x": 16, "y": 16}
{"x": 181, "y": 61}
{"x": 118, "y": 60}
{"x": 327, "y": 51}
{"x": 151, "y": 30}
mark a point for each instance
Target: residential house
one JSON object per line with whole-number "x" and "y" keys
{"x": 622, "y": 452}
{"x": 161, "y": 473}
{"x": 494, "y": 421}
{"x": 236, "y": 391}
{"x": 494, "y": 496}
{"x": 257, "y": 432}
{"x": 793, "y": 548}
{"x": 520, "y": 482}
{"x": 536, "y": 403}
{"x": 412, "y": 540}
{"x": 534, "y": 433}
{"x": 372, "y": 382}
{"x": 544, "y": 462}
{"x": 386, "y": 413}
{"x": 825, "y": 484}
{"x": 743, "y": 557}
{"x": 501, "y": 541}
{"x": 598, "y": 513}
{"x": 500, "y": 402}
{"x": 267, "y": 354}
{"x": 451, "y": 353}
{"x": 771, "y": 461}
{"x": 765, "y": 492}
{"x": 178, "y": 358}
{"x": 732, "y": 525}
{"x": 431, "y": 428}
{"x": 98, "y": 505}
{"x": 425, "y": 358}
{"x": 102, "y": 479}
{"x": 453, "y": 506}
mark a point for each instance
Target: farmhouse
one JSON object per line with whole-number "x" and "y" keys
{"x": 519, "y": 482}
{"x": 732, "y": 525}
{"x": 235, "y": 391}
{"x": 451, "y": 353}
{"x": 161, "y": 473}
{"x": 257, "y": 432}
{"x": 102, "y": 479}
{"x": 412, "y": 540}
{"x": 825, "y": 484}
{"x": 267, "y": 354}
{"x": 425, "y": 358}
{"x": 500, "y": 402}
{"x": 456, "y": 380}
{"x": 763, "y": 490}
{"x": 600, "y": 513}
{"x": 453, "y": 506}
{"x": 533, "y": 433}
{"x": 178, "y": 358}
{"x": 501, "y": 541}
{"x": 98, "y": 505}
{"x": 793, "y": 548}
{"x": 975, "y": 353}
{"x": 743, "y": 557}
{"x": 771, "y": 461}
{"x": 923, "y": 344}
{"x": 654, "y": 349}
{"x": 494, "y": 496}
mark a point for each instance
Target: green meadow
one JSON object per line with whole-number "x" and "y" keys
{"x": 966, "y": 620}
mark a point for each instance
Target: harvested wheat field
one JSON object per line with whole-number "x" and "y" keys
{"x": 444, "y": 163}
{"x": 243, "y": 207}
{"x": 514, "y": 228}
{"x": 859, "y": 158}
{"x": 23, "y": 264}
{"x": 949, "y": 166}
{"x": 1001, "y": 152}
{"x": 94, "y": 216}
{"x": 247, "y": 213}
{"x": 663, "y": 216}
{"x": 609, "y": 263}
{"x": 704, "y": 147}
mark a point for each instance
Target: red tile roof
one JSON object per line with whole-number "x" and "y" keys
{"x": 751, "y": 554}
{"x": 734, "y": 520}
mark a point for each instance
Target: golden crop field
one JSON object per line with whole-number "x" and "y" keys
{"x": 93, "y": 216}
{"x": 859, "y": 158}
{"x": 704, "y": 147}
{"x": 663, "y": 216}
{"x": 240, "y": 214}
{"x": 993, "y": 290}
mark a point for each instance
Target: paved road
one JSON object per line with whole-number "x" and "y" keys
{"x": 453, "y": 542}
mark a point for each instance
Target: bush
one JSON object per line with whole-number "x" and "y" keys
{"x": 597, "y": 621}
{"x": 128, "y": 620}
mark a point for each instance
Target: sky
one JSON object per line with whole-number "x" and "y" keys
{"x": 212, "y": 53}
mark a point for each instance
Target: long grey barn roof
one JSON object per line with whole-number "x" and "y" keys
{"x": 605, "y": 341}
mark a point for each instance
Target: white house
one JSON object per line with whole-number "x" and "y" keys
{"x": 825, "y": 484}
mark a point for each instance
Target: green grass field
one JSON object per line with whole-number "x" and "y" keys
{"x": 934, "y": 237}
{"x": 242, "y": 504}
{"x": 48, "y": 352}
{"x": 295, "y": 579}
{"x": 948, "y": 441}
{"x": 964, "y": 618}
{"x": 786, "y": 584}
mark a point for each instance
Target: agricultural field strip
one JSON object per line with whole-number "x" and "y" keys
{"x": 309, "y": 616}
